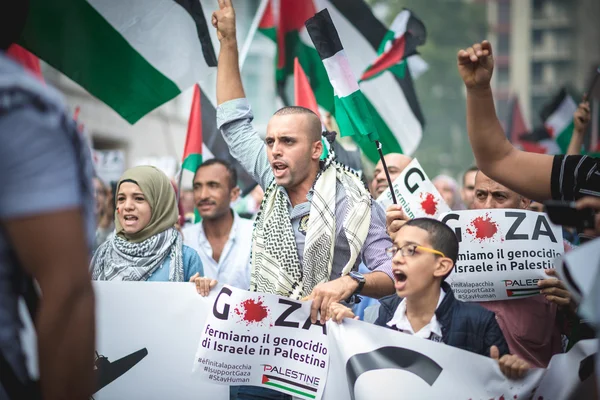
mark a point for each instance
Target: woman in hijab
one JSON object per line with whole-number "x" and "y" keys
{"x": 146, "y": 246}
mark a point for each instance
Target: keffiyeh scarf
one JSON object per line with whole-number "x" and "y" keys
{"x": 121, "y": 260}
{"x": 276, "y": 266}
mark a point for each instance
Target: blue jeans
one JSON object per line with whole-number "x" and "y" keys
{"x": 255, "y": 393}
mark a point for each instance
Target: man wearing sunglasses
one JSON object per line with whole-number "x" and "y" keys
{"x": 423, "y": 255}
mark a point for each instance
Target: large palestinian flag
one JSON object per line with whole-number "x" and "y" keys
{"x": 390, "y": 98}
{"x": 133, "y": 55}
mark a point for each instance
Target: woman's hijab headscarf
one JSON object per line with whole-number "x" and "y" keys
{"x": 135, "y": 257}
{"x": 159, "y": 193}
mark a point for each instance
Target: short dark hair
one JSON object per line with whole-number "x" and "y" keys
{"x": 441, "y": 237}
{"x": 228, "y": 166}
{"x": 472, "y": 168}
{"x": 315, "y": 125}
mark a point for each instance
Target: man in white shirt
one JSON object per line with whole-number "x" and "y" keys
{"x": 222, "y": 239}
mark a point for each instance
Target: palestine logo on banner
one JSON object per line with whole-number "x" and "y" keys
{"x": 390, "y": 98}
{"x": 133, "y": 55}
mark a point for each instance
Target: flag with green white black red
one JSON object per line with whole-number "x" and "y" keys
{"x": 391, "y": 99}
{"x": 192, "y": 152}
{"x": 294, "y": 388}
{"x": 133, "y": 55}
{"x": 351, "y": 111}
{"x": 558, "y": 119}
{"x": 398, "y": 49}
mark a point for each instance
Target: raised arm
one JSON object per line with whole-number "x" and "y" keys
{"x": 581, "y": 119}
{"x": 234, "y": 116}
{"x": 525, "y": 173}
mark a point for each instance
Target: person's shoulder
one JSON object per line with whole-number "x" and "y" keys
{"x": 189, "y": 253}
{"x": 472, "y": 311}
{"x": 190, "y": 231}
{"x": 245, "y": 223}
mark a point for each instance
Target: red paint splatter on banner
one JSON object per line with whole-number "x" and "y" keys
{"x": 429, "y": 204}
{"x": 515, "y": 397}
{"x": 252, "y": 311}
{"x": 501, "y": 397}
{"x": 483, "y": 228}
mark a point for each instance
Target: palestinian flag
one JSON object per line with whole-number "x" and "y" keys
{"x": 351, "y": 111}
{"x": 398, "y": 50}
{"x": 390, "y": 99}
{"x": 192, "y": 152}
{"x": 524, "y": 292}
{"x": 558, "y": 119}
{"x": 282, "y": 384}
{"x": 132, "y": 55}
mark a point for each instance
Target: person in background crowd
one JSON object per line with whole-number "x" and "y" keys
{"x": 423, "y": 256}
{"x": 396, "y": 163}
{"x": 222, "y": 239}
{"x": 187, "y": 205}
{"x": 104, "y": 217}
{"x": 581, "y": 120}
{"x": 146, "y": 246}
{"x": 345, "y": 223}
{"x": 467, "y": 191}
{"x": 448, "y": 188}
{"x": 47, "y": 235}
{"x": 535, "y": 206}
{"x": 248, "y": 206}
{"x": 531, "y": 325}
{"x": 537, "y": 176}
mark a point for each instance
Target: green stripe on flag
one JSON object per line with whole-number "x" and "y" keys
{"x": 312, "y": 396}
{"x": 192, "y": 162}
{"x": 564, "y": 138}
{"x": 353, "y": 116}
{"x": 74, "y": 38}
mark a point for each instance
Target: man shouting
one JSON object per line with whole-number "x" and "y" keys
{"x": 317, "y": 220}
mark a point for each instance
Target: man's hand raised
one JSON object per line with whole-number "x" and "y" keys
{"x": 224, "y": 21}
{"x": 476, "y": 65}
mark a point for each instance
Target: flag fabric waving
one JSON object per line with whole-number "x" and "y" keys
{"x": 391, "y": 99}
{"x": 133, "y": 55}
{"x": 398, "y": 49}
{"x": 192, "y": 152}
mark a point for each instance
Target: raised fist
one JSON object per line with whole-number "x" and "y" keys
{"x": 476, "y": 64}
{"x": 224, "y": 21}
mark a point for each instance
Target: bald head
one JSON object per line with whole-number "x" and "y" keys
{"x": 312, "y": 123}
{"x": 491, "y": 194}
{"x": 396, "y": 163}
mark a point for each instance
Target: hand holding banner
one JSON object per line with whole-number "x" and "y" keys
{"x": 415, "y": 193}
{"x": 502, "y": 254}
{"x": 263, "y": 340}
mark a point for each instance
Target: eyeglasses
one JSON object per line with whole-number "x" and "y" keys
{"x": 409, "y": 250}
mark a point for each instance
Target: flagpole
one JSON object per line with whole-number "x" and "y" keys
{"x": 387, "y": 173}
{"x": 591, "y": 87}
{"x": 255, "y": 22}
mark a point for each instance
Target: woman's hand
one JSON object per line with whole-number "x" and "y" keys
{"x": 203, "y": 284}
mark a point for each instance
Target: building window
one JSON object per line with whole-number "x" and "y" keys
{"x": 537, "y": 38}
{"x": 503, "y": 43}
{"x": 537, "y": 73}
{"x": 503, "y": 77}
{"x": 503, "y": 12}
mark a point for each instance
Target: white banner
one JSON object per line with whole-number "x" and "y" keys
{"x": 415, "y": 193}
{"x": 148, "y": 335}
{"x": 502, "y": 253}
{"x": 263, "y": 340}
{"x": 371, "y": 362}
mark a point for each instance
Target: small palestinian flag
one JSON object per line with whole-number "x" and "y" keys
{"x": 558, "y": 119}
{"x": 290, "y": 386}
{"x": 398, "y": 50}
{"x": 351, "y": 111}
{"x": 192, "y": 153}
{"x": 524, "y": 292}
{"x": 133, "y": 56}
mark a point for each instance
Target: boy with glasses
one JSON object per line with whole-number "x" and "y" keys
{"x": 423, "y": 255}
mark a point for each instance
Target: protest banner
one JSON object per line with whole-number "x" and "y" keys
{"x": 415, "y": 193}
{"x": 502, "y": 253}
{"x": 263, "y": 340}
{"x": 109, "y": 164}
{"x": 372, "y": 362}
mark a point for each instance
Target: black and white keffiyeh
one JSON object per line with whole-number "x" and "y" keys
{"x": 122, "y": 260}
{"x": 276, "y": 266}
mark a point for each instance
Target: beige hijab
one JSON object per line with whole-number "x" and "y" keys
{"x": 159, "y": 193}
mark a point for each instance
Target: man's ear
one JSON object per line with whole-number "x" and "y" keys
{"x": 525, "y": 203}
{"x": 443, "y": 268}
{"x": 235, "y": 193}
{"x": 317, "y": 150}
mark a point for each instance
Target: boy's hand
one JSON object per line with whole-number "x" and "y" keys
{"x": 513, "y": 367}
{"x": 203, "y": 284}
{"x": 338, "y": 312}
